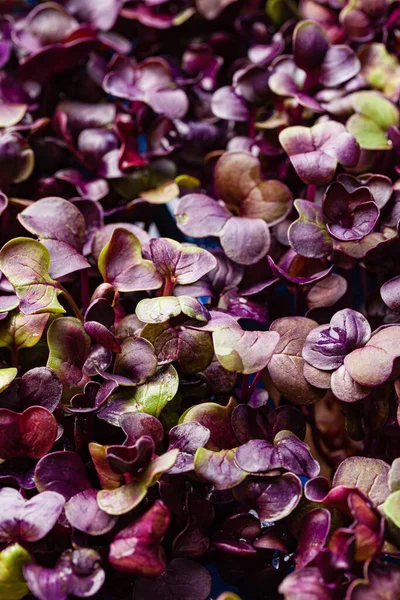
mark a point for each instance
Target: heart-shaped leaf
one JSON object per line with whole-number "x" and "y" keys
{"x": 182, "y": 264}
{"x": 315, "y": 152}
{"x": 12, "y": 582}
{"x": 31, "y": 433}
{"x": 69, "y": 346}
{"x": 121, "y": 264}
{"x": 26, "y": 263}
{"x": 28, "y": 520}
{"x": 83, "y": 513}
{"x": 137, "y": 549}
{"x": 62, "y": 472}
{"x": 374, "y": 115}
{"x": 121, "y": 500}
{"x": 22, "y": 331}
{"x": 218, "y": 468}
{"x": 244, "y": 351}
{"x": 159, "y": 310}
{"x": 60, "y": 227}
{"x": 287, "y": 452}
{"x": 136, "y": 362}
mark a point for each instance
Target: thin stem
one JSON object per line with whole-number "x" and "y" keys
{"x": 245, "y": 388}
{"x": 14, "y": 356}
{"x": 252, "y": 123}
{"x": 85, "y": 289}
{"x": 168, "y": 287}
{"x": 253, "y": 384}
{"x": 74, "y": 307}
{"x": 311, "y": 189}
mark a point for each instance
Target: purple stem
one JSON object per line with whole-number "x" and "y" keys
{"x": 252, "y": 124}
{"x": 168, "y": 287}
{"x": 245, "y": 389}
{"x": 253, "y": 384}
{"x": 310, "y": 194}
{"x": 85, "y": 289}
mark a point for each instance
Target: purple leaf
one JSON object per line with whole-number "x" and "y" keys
{"x": 215, "y": 418}
{"x": 31, "y": 433}
{"x": 83, "y": 513}
{"x": 382, "y": 582}
{"x": 272, "y": 498}
{"x": 287, "y": 364}
{"x": 69, "y": 347}
{"x": 131, "y": 459}
{"x": 308, "y": 235}
{"x": 199, "y": 215}
{"x": 287, "y": 452}
{"x": 225, "y": 104}
{"x": 101, "y": 15}
{"x": 136, "y": 549}
{"x": 26, "y": 263}
{"x": 179, "y": 263}
{"x": 390, "y": 294}
{"x": 326, "y": 346}
{"x": 305, "y": 584}
{"x": 149, "y": 82}
{"x": 60, "y": 227}
{"x": 121, "y": 264}
{"x": 182, "y": 580}
{"x": 237, "y": 534}
{"x": 77, "y": 572}
{"x": 244, "y": 240}
{"x": 40, "y": 387}
{"x": 28, "y": 520}
{"x": 244, "y": 351}
{"x": 193, "y": 541}
{"x": 315, "y": 529}
{"x": 370, "y": 475}
{"x": 137, "y": 361}
{"x": 316, "y": 151}
{"x": 350, "y": 216}
{"x": 121, "y": 500}
{"x": 62, "y": 472}
{"x": 135, "y": 425}
{"x": 373, "y": 364}
{"x": 310, "y": 45}
{"x": 218, "y": 468}
{"x": 187, "y": 438}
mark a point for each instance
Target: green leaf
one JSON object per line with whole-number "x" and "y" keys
{"x": 374, "y": 114}
{"x": 26, "y": 263}
{"x": 191, "y": 348}
{"x": 22, "y": 331}
{"x": 12, "y": 582}
{"x": 160, "y": 389}
{"x": 280, "y": 11}
{"x": 125, "y": 498}
{"x": 6, "y": 377}
{"x": 159, "y": 310}
{"x": 375, "y": 107}
{"x": 391, "y": 508}
{"x": 187, "y": 181}
{"x": 166, "y": 192}
{"x": 367, "y": 133}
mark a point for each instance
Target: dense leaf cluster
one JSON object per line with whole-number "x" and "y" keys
{"x": 200, "y": 299}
